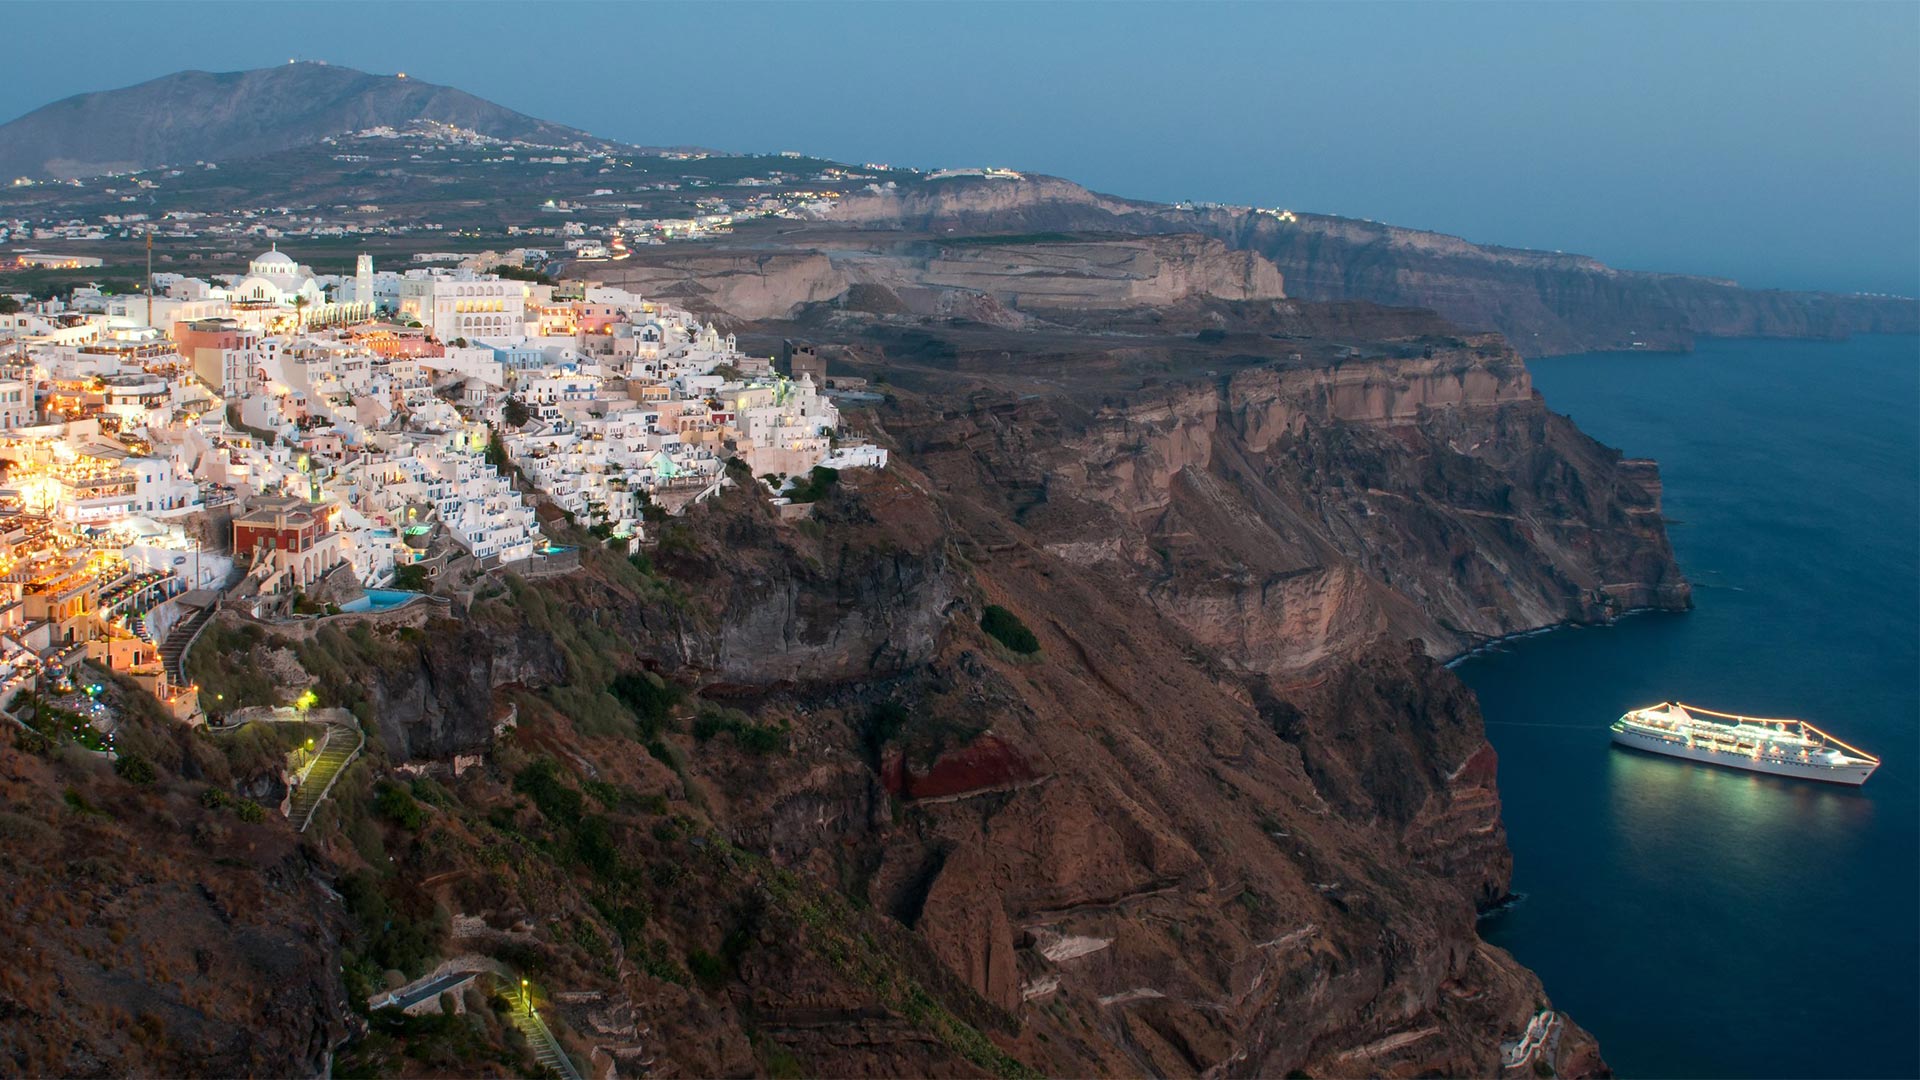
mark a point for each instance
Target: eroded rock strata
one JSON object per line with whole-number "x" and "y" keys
{"x": 1545, "y": 302}
{"x": 1232, "y": 818}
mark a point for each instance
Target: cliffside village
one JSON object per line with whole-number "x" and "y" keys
{"x": 251, "y": 435}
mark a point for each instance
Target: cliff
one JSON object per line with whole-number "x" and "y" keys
{"x": 1287, "y": 515}
{"x": 995, "y": 280}
{"x": 1234, "y": 779}
{"x": 1544, "y": 302}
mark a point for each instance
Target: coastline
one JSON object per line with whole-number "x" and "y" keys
{"x": 1491, "y": 644}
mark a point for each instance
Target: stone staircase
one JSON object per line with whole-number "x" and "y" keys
{"x": 546, "y": 1048}
{"x": 173, "y": 651}
{"x": 342, "y": 746}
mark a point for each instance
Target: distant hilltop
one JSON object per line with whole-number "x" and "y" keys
{"x": 219, "y": 116}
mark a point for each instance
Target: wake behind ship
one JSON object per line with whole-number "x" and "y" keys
{"x": 1780, "y": 747}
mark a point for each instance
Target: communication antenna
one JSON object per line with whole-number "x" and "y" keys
{"x": 149, "y": 275}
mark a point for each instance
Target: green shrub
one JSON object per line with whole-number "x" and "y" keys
{"x": 400, "y": 925}
{"x": 607, "y": 795}
{"x": 653, "y": 960}
{"x": 593, "y": 845}
{"x": 249, "y": 811}
{"x": 134, "y": 769}
{"x": 395, "y": 803}
{"x": 709, "y": 969}
{"x": 757, "y": 739}
{"x": 628, "y": 918}
{"x": 1006, "y": 628}
{"x": 818, "y": 485}
{"x": 648, "y": 697}
{"x": 559, "y": 803}
{"x": 32, "y": 742}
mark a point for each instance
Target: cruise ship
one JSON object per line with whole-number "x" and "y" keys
{"x": 1780, "y": 747}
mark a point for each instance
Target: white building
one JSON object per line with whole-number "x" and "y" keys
{"x": 455, "y": 304}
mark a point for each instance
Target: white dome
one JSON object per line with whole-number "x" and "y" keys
{"x": 274, "y": 258}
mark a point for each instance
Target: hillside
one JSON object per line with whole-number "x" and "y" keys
{"x": 1102, "y": 733}
{"x": 220, "y": 116}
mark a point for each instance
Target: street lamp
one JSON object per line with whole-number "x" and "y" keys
{"x": 526, "y": 1001}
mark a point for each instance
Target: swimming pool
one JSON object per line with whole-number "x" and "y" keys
{"x": 378, "y": 600}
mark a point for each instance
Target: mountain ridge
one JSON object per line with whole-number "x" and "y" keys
{"x": 214, "y": 116}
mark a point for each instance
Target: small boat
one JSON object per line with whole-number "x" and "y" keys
{"x": 1756, "y": 744}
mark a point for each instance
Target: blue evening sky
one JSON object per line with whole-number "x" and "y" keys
{"x": 1777, "y": 143}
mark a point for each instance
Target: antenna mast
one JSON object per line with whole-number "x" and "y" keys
{"x": 149, "y": 275}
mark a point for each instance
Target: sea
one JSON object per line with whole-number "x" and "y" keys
{"x": 1703, "y": 922}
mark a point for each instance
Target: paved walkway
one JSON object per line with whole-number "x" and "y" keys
{"x": 546, "y": 1048}
{"x": 342, "y": 745}
{"x": 173, "y": 652}
{"x": 461, "y": 970}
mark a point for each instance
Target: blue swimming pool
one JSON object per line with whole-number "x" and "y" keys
{"x": 378, "y": 600}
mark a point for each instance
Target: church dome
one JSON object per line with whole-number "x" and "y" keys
{"x": 273, "y": 262}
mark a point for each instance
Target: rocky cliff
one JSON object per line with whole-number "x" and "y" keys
{"x": 1232, "y": 816}
{"x": 1286, "y": 516}
{"x": 775, "y": 799}
{"x": 996, "y": 280}
{"x": 1544, "y": 302}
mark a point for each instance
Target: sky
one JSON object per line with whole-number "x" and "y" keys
{"x": 1774, "y": 143}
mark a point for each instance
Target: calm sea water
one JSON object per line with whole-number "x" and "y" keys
{"x": 1700, "y": 921}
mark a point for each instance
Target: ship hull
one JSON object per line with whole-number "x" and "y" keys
{"x": 1848, "y": 775}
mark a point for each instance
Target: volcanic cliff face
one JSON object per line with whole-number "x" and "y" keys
{"x": 1543, "y": 302}
{"x": 992, "y": 280}
{"x": 1115, "y": 856}
{"x": 1227, "y": 786}
{"x": 774, "y": 801}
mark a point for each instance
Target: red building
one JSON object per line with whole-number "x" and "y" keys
{"x": 289, "y": 541}
{"x": 281, "y": 525}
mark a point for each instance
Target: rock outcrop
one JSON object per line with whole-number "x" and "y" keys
{"x": 1543, "y": 302}
{"x": 990, "y": 280}
{"x": 1287, "y": 515}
